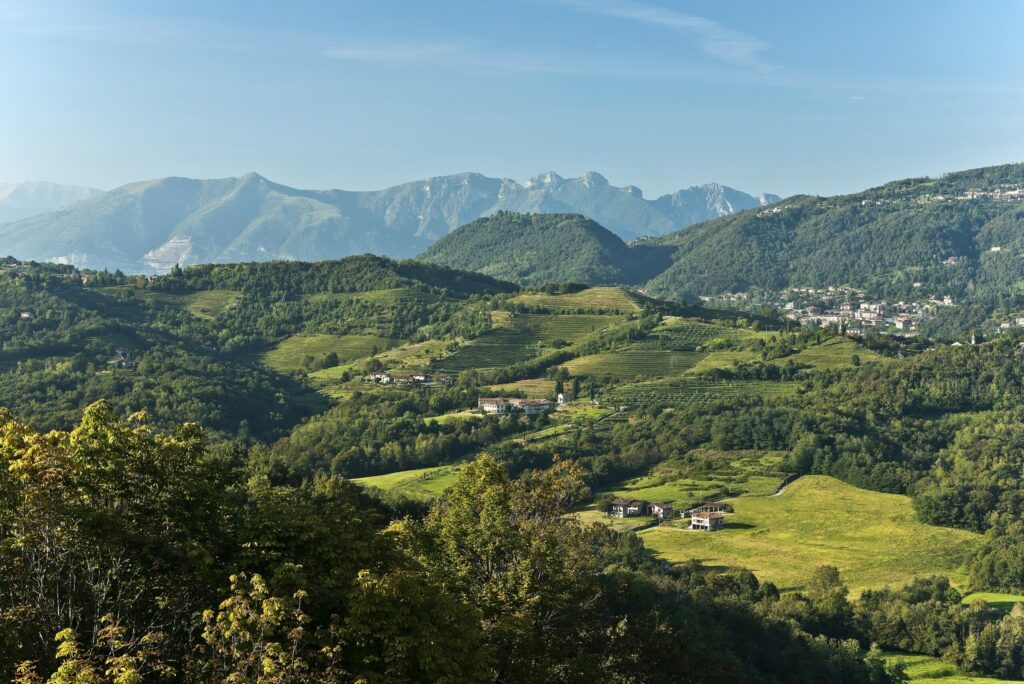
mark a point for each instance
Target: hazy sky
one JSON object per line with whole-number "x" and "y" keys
{"x": 784, "y": 97}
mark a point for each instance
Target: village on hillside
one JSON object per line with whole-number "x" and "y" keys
{"x": 847, "y": 308}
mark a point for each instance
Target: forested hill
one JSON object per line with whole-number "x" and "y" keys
{"x": 187, "y": 346}
{"x": 538, "y": 248}
{"x": 960, "y": 235}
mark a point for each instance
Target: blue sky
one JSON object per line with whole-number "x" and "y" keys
{"x": 786, "y": 97}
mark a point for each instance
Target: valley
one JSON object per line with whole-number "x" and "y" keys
{"x": 826, "y": 449}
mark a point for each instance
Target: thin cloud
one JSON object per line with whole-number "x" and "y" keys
{"x": 474, "y": 58}
{"x": 716, "y": 41}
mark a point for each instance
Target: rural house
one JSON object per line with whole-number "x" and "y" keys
{"x": 660, "y": 511}
{"x": 530, "y": 407}
{"x": 710, "y": 507}
{"x": 707, "y": 522}
{"x": 629, "y": 508}
{"x": 494, "y": 405}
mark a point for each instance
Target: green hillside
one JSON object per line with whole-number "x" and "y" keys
{"x": 874, "y": 539}
{"x": 538, "y": 248}
{"x": 884, "y": 240}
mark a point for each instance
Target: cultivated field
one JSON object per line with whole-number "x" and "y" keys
{"x": 209, "y": 304}
{"x": 833, "y": 353}
{"x": 421, "y": 483}
{"x": 290, "y": 354}
{"x": 538, "y": 388}
{"x": 923, "y": 669}
{"x": 601, "y": 299}
{"x": 874, "y": 539}
{"x": 634, "y": 363}
{"x": 680, "y": 334}
{"x": 518, "y": 337}
{"x": 685, "y": 390}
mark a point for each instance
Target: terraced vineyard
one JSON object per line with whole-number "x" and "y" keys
{"x": 520, "y": 337}
{"x": 634, "y": 363}
{"x": 603, "y": 299}
{"x": 682, "y": 335}
{"x": 537, "y": 388}
{"x": 685, "y": 390}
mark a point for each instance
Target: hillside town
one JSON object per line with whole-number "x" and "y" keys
{"x": 847, "y": 308}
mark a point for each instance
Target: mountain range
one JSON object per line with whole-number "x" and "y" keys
{"x": 961, "y": 235}
{"x": 150, "y": 226}
{"x": 22, "y": 200}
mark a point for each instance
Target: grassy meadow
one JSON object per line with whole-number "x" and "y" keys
{"x": 874, "y": 539}
{"x": 289, "y": 355}
{"x": 924, "y": 669}
{"x": 734, "y": 474}
{"x": 421, "y": 483}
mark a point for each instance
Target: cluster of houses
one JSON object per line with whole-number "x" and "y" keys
{"x": 840, "y": 306}
{"x": 708, "y": 516}
{"x": 856, "y": 319}
{"x": 1006, "y": 192}
{"x": 419, "y": 378}
{"x": 504, "y": 405}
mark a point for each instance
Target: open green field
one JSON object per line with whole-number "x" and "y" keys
{"x": 999, "y": 601}
{"x": 421, "y": 483}
{"x": 874, "y": 539}
{"x": 289, "y": 355}
{"x": 518, "y": 337}
{"x": 606, "y": 299}
{"x": 209, "y": 304}
{"x": 923, "y": 669}
{"x": 468, "y": 414}
{"x": 592, "y": 515}
{"x": 634, "y": 363}
{"x": 206, "y": 304}
{"x": 734, "y": 474}
{"x": 684, "y": 390}
{"x": 833, "y": 353}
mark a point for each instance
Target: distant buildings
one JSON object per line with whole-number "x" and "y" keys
{"x": 503, "y": 405}
{"x": 386, "y": 378}
{"x": 631, "y": 508}
{"x": 26, "y": 316}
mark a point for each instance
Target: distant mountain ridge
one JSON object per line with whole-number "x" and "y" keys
{"x": 150, "y": 226}
{"x": 22, "y": 200}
